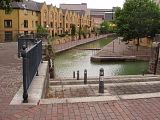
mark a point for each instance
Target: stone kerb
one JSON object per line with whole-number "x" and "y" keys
{"x": 37, "y": 89}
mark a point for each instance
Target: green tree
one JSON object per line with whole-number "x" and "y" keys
{"x": 41, "y": 31}
{"x": 137, "y": 19}
{"x": 73, "y": 30}
{"x": 104, "y": 27}
{"x": 6, "y": 5}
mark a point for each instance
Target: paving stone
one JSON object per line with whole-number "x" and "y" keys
{"x": 10, "y": 81}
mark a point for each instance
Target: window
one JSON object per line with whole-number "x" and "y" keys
{"x": 60, "y": 25}
{"x": 56, "y": 24}
{"x": 55, "y": 16}
{"x": 36, "y": 23}
{"x": 67, "y": 25}
{"x": 36, "y": 13}
{"x": 32, "y": 12}
{"x": 45, "y": 24}
{"x": 25, "y": 23}
{"x": 52, "y": 33}
{"x": 52, "y": 15}
{"x": 7, "y": 23}
{"x": 45, "y": 14}
{"x": 8, "y": 36}
{"x": 51, "y": 24}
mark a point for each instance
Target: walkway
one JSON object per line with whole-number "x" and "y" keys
{"x": 119, "y": 49}
{"x": 115, "y": 88}
{"x": 10, "y": 81}
{"x": 72, "y": 44}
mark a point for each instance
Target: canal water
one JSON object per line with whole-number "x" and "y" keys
{"x": 79, "y": 59}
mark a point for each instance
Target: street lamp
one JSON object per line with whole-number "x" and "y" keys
{"x": 156, "y": 46}
{"x": 79, "y": 32}
{"x": 47, "y": 26}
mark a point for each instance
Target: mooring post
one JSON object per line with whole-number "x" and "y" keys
{"x": 78, "y": 75}
{"x": 74, "y": 74}
{"x": 85, "y": 76}
{"x": 101, "y": 81}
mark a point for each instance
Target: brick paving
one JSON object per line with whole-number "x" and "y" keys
{"x": 118, "y": 48}
{"x": 10, "y": 81}
{"x": 92, "y": 90}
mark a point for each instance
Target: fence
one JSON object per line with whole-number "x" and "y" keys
{"x": 32, "y": 57}
{"x": 28, "y": 42}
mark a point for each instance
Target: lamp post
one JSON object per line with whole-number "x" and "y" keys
{"x": 156, "y": 46}
{"x": 79, "y": 32}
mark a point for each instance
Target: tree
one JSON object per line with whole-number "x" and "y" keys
{"x": 73, "y": 30}
{"x": 104, "y": 27}
{"x": 6, "y": 5}
{"x": 41, "y": 31}
{"x": 138, "y": 19}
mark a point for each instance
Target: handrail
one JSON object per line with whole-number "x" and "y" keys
{"x": 32, "y": 57}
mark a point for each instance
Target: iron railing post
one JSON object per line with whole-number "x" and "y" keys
{"x": 24, "y": 55}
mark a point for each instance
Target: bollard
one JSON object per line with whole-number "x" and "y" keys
{"x": 85, "y": 76}
{"x": 78, "y": 75}
{"x": 101, "y": 81}
{"x": 74, "y": 74}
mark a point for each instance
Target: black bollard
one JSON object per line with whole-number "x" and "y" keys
{"x": 74, "y": 74}
{"x": 78, "y": 75}
{"x": 101, "y": 81}
{"x": 85, "y": 76}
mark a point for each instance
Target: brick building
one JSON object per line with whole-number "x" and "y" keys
{"x": 25, "y": 16}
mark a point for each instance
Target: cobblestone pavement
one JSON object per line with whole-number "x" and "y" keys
{"x": 10, "y": 81}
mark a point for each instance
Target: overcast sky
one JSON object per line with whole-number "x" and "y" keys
{"x": 100, "y": 4}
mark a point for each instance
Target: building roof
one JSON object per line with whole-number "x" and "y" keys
{"x": 29, "y": 5}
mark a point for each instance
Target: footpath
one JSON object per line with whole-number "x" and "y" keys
{"x": 118, "y": 50}
{"x": 72, "y": 44}
{"x": 121, "y": 109}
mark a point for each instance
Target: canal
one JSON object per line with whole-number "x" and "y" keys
{"x": 79, "y": 59}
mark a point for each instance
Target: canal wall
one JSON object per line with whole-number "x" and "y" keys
{"x": 72, "y": 44}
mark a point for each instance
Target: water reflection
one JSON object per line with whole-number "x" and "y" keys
{"x": 76, "y": 59}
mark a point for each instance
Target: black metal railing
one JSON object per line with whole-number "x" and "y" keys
{"x": 32, "y": 57}
{"x": 28, "y": 42}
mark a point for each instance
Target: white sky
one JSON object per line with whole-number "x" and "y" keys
{"x": 99, "y": 4}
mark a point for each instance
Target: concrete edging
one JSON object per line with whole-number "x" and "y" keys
{"x": 112, "y": 58}
{"x": 37, "y": 89}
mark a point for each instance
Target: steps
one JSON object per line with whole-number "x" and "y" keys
{"x": 115, "y": 88}
{"x": 114, "y": 79}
